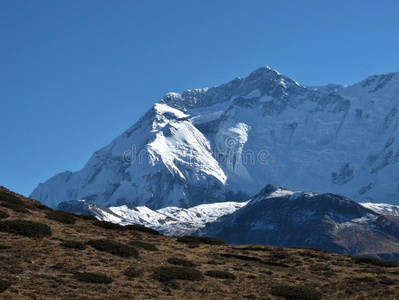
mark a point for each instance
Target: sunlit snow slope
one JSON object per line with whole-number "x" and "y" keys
{"x": 168, "y": 220}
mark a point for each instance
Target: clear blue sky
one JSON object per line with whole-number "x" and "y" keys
{"x": 75, "y": 74}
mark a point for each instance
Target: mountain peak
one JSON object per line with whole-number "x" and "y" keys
{"x": 273, "y": 191}
{"x": 208, "y": 143}
{"x": 263, "y": 72}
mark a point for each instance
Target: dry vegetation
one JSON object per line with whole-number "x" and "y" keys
{"x": 50, "y": 255}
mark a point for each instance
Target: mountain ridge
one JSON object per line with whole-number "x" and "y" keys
{"x": 328, "y": 221}
{"x": 274, "y": 216}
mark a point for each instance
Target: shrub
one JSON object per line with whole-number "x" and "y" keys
{"x": 314, "y": 254}
{"x": 241, "y": 257}
{"x": 387, "y": 281}
{"x": 26, "y": 228}
{"x": 181, "y": 262}
{"x": 215, "y": 262}
{"x": 4, "y": 285}
{"x": 142, "y": 228}
{"x": 61, "y": 216}
{"x": 88, "y": 217}
{"x": 221, "y": 275}
{"x": 114, "y": 248}
{"x": 3, "y": 214}
{"x": 133, "y": 272}
{"x": 275, "y": 263}
{"x": 8, "y": 198}
{"x": 74, "y": 245}
{"x": 4, "y": 247}
{"x": 15, "y": 207}
{"x": 143, "y": 245}
{"x": 279, "y": 254}
{"x": 172, "y": 273}
{"x": 376, "y": 262}
{"x": 93, "y": 278}
{"x": 41, "y": 206}
{"x": 295, "y": 292}
{"x": 108, "y": 225}
{"x": 193, "y": 245}
{"x": 187, "y": 239}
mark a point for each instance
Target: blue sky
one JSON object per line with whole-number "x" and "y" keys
{"x": 75, "y": 74}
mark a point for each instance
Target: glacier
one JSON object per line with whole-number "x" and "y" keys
{"x": 225, "y": 143}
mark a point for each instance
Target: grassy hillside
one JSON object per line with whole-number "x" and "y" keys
{"x": 46, "y": 254}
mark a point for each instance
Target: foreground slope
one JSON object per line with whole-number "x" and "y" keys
{"x": 57, "y": 259}
{"x": 222, "y": 144}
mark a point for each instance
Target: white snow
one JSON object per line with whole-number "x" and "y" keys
{"x": 383, "y": 208}
{"x": 254, "y": 94}
{"x": 169, "y": 220}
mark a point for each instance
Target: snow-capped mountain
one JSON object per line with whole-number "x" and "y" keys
{"x": 169, "y": 220}
{"x": 276, "y": 216}
{"x": 222, "y": 143}
{"x": 383, "y": 208}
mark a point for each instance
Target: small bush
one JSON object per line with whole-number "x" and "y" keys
{"x": 74, "y": 245}
{"x": 142, "y": 228}
{"x": 215, "y": 262}
{"x": 93, "y": 278}
{"x": 143, "y": 245}
{"x": 172, "y": 273}
{"x": 26, "y": 228}
{"x": 314, "y": 254}
{"x": 4, "y": 285}
{"x": 114, "y": 248}
{"x": 200, "y": 239}
{"x": 193, "y": 245}
{"x": 108, "y": 225}
{"x": 3, "y": 214}
{"x": 133, "y": 272}
{"x": 41, "y": 206}
{"x": 241, "y": 257}
{"x": 88, "y": 217}
{"x": 9, "y": 198}
{"x": 221, "y": 275}
{"x": 15, "y": 207}
{"x": 275, "y": 263}
{"x": 4, "y": 247}
{"x": 61, "y": 216}
{"x": 295, "y": 292}
{"x": 387, "y": 281}
{"x": 181, "y": 262}
{"x": 376, "y": 262}
{"x": 279, "y": 254}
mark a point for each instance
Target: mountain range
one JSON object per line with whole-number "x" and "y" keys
{"x": 274, "y": 216}
{"x": 224, "y": 143}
